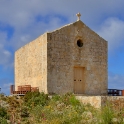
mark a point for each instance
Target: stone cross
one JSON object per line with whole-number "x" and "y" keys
{"x": 78, "y": 16}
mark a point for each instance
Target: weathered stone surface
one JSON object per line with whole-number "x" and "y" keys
{"x": 31, "y": 64}
{"x": 48, "y": 62}
{"x": 99, "y": 101}
{"x": 93, "y": 100}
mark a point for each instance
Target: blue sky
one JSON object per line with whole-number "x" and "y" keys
{"x": 21, "y": 21}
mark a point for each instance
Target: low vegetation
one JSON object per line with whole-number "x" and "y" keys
{"x": 39, "y": 108}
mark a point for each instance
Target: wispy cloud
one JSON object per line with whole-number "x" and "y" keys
{"x": 5, "y": 85}
{"x": 112, "y": 30}
{"x": 5, "y": 56}
{"x": 116, "y": 81}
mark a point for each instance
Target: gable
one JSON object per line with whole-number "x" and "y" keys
{"x": 76, "y": 29}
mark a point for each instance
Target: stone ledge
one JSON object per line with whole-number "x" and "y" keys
{"x": 99, "y": 101}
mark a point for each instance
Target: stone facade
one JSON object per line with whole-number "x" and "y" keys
{"x": 31, "y": 64}
{"x": 70, "y": 59}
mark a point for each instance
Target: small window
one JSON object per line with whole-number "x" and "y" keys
{"x": 79, "y": 43}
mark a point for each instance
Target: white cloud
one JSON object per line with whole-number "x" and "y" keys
{"x": 6, "y": 88}
{"x": 38, "y": 28}
{"x": 112, "y": 30}
{"x": 5, "y": 85}
{"x": 21, "y": 15}
{"x": 22, "y": 12}
{"x": 3, "y": 37}
{"x": 5, "y": 56}
{"x": 116, "y": 81}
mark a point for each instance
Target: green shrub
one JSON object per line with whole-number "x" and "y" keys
{"x": 73, "y": 101}
{"x": 32, "y": 99}
{"x": 64, "y": 109}
{"x": 3, "y": 112}
{"x": 3, "y": 121}
{"x": 38, "y": 108}
{"x": 107, "y": 114}
{"x": 24, "y": 112}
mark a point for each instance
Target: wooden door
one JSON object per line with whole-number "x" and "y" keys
{"x": 79, "y": 80}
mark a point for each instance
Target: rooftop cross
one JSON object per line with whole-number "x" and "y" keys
{"x": 78, "y": 16}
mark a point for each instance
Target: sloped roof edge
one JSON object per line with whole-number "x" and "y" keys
{"x": 66, "y": 26}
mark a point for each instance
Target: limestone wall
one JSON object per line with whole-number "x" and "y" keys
{"x": 95, "y": 101}
{"x": 60, "y": 61}
{"x": 117, "y": 102}
{"x": 31, "y": 64}
{"x": 64, "y": 54}
{"x": 48, "y": 62}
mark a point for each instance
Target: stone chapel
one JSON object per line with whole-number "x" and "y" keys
{"x": 72, "y": 59}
